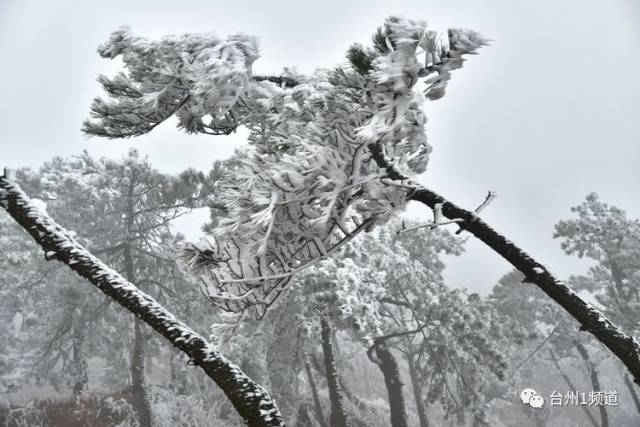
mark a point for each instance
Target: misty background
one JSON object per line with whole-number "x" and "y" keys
{"x": 543, "y": 116}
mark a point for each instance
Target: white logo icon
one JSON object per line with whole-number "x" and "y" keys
{"x": 531, "y": 397}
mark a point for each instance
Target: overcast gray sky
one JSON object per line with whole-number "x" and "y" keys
{"x": 545, "y": 115}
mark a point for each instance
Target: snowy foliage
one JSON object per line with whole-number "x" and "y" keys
{"x": 387, "y": 288}
{"x": 187, "y": 410}
{"x": 190, "y": 76}
{"x": 605, "y": 234}
{"x": 116, "y": 207}
{"x": 601, "y": 231}
{"x": 306, "y": 183}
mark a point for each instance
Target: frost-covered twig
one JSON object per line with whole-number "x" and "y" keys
{"x": 437, "y": 221}
{"x": 251, "y": 401}
{"x": 295, "y": 270}
{"x": 430, "y": 225}
{"x": 624, "y": 346}
{"x": 490, "y": 196}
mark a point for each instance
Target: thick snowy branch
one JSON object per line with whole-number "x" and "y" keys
{"x": 624, "y": 346}
{"x": 251, "y": 401}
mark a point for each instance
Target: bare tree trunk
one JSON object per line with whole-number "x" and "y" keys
{"x": 354, "y": 398}
{"x": 389, "y": 368}
{"x": 567, "y": 380}
{"x": 338, "y": 414}
{"x": 252, "y": 402}
{"x": 81, "y": 377}
{"x": 314, "y": 392}
{"x": 624, "y": 346}
{"x": 304, "y": 418}
{"x": 142, "y": 403}
{"x": 632, "y": 391}
{"x": 422, "y": 413}
{"x": 595, "y": 380}
{"x": 138, "y": 386}
{"x": 178, "y": 373}
{"x": 367, "y": 379}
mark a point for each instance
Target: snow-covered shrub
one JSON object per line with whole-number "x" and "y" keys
{"x": 171, "y": 410}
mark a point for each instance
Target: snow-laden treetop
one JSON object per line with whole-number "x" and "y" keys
{"x": 306, "y": 182}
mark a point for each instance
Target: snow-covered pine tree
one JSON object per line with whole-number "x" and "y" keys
{"x": 306, "y": 183}
{"x": 132, "y": 205}
{"x": 22, "y": 270}
{"x": 329, "y": 155}
{"x": 126, "y": 208}
{"x": 604, "y": 233}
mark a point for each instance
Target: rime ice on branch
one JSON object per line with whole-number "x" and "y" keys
{"x": 306, "y": 183}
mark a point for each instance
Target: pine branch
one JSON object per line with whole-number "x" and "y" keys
{"x": 624, "y": 346}
{"x": 251, "y": 401}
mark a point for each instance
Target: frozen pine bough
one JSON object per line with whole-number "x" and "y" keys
{"x": 306, "y": 183}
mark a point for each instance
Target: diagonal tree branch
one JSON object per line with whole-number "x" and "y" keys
{"x": 624, "y": 346}
{"x": 251, "y": 401}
